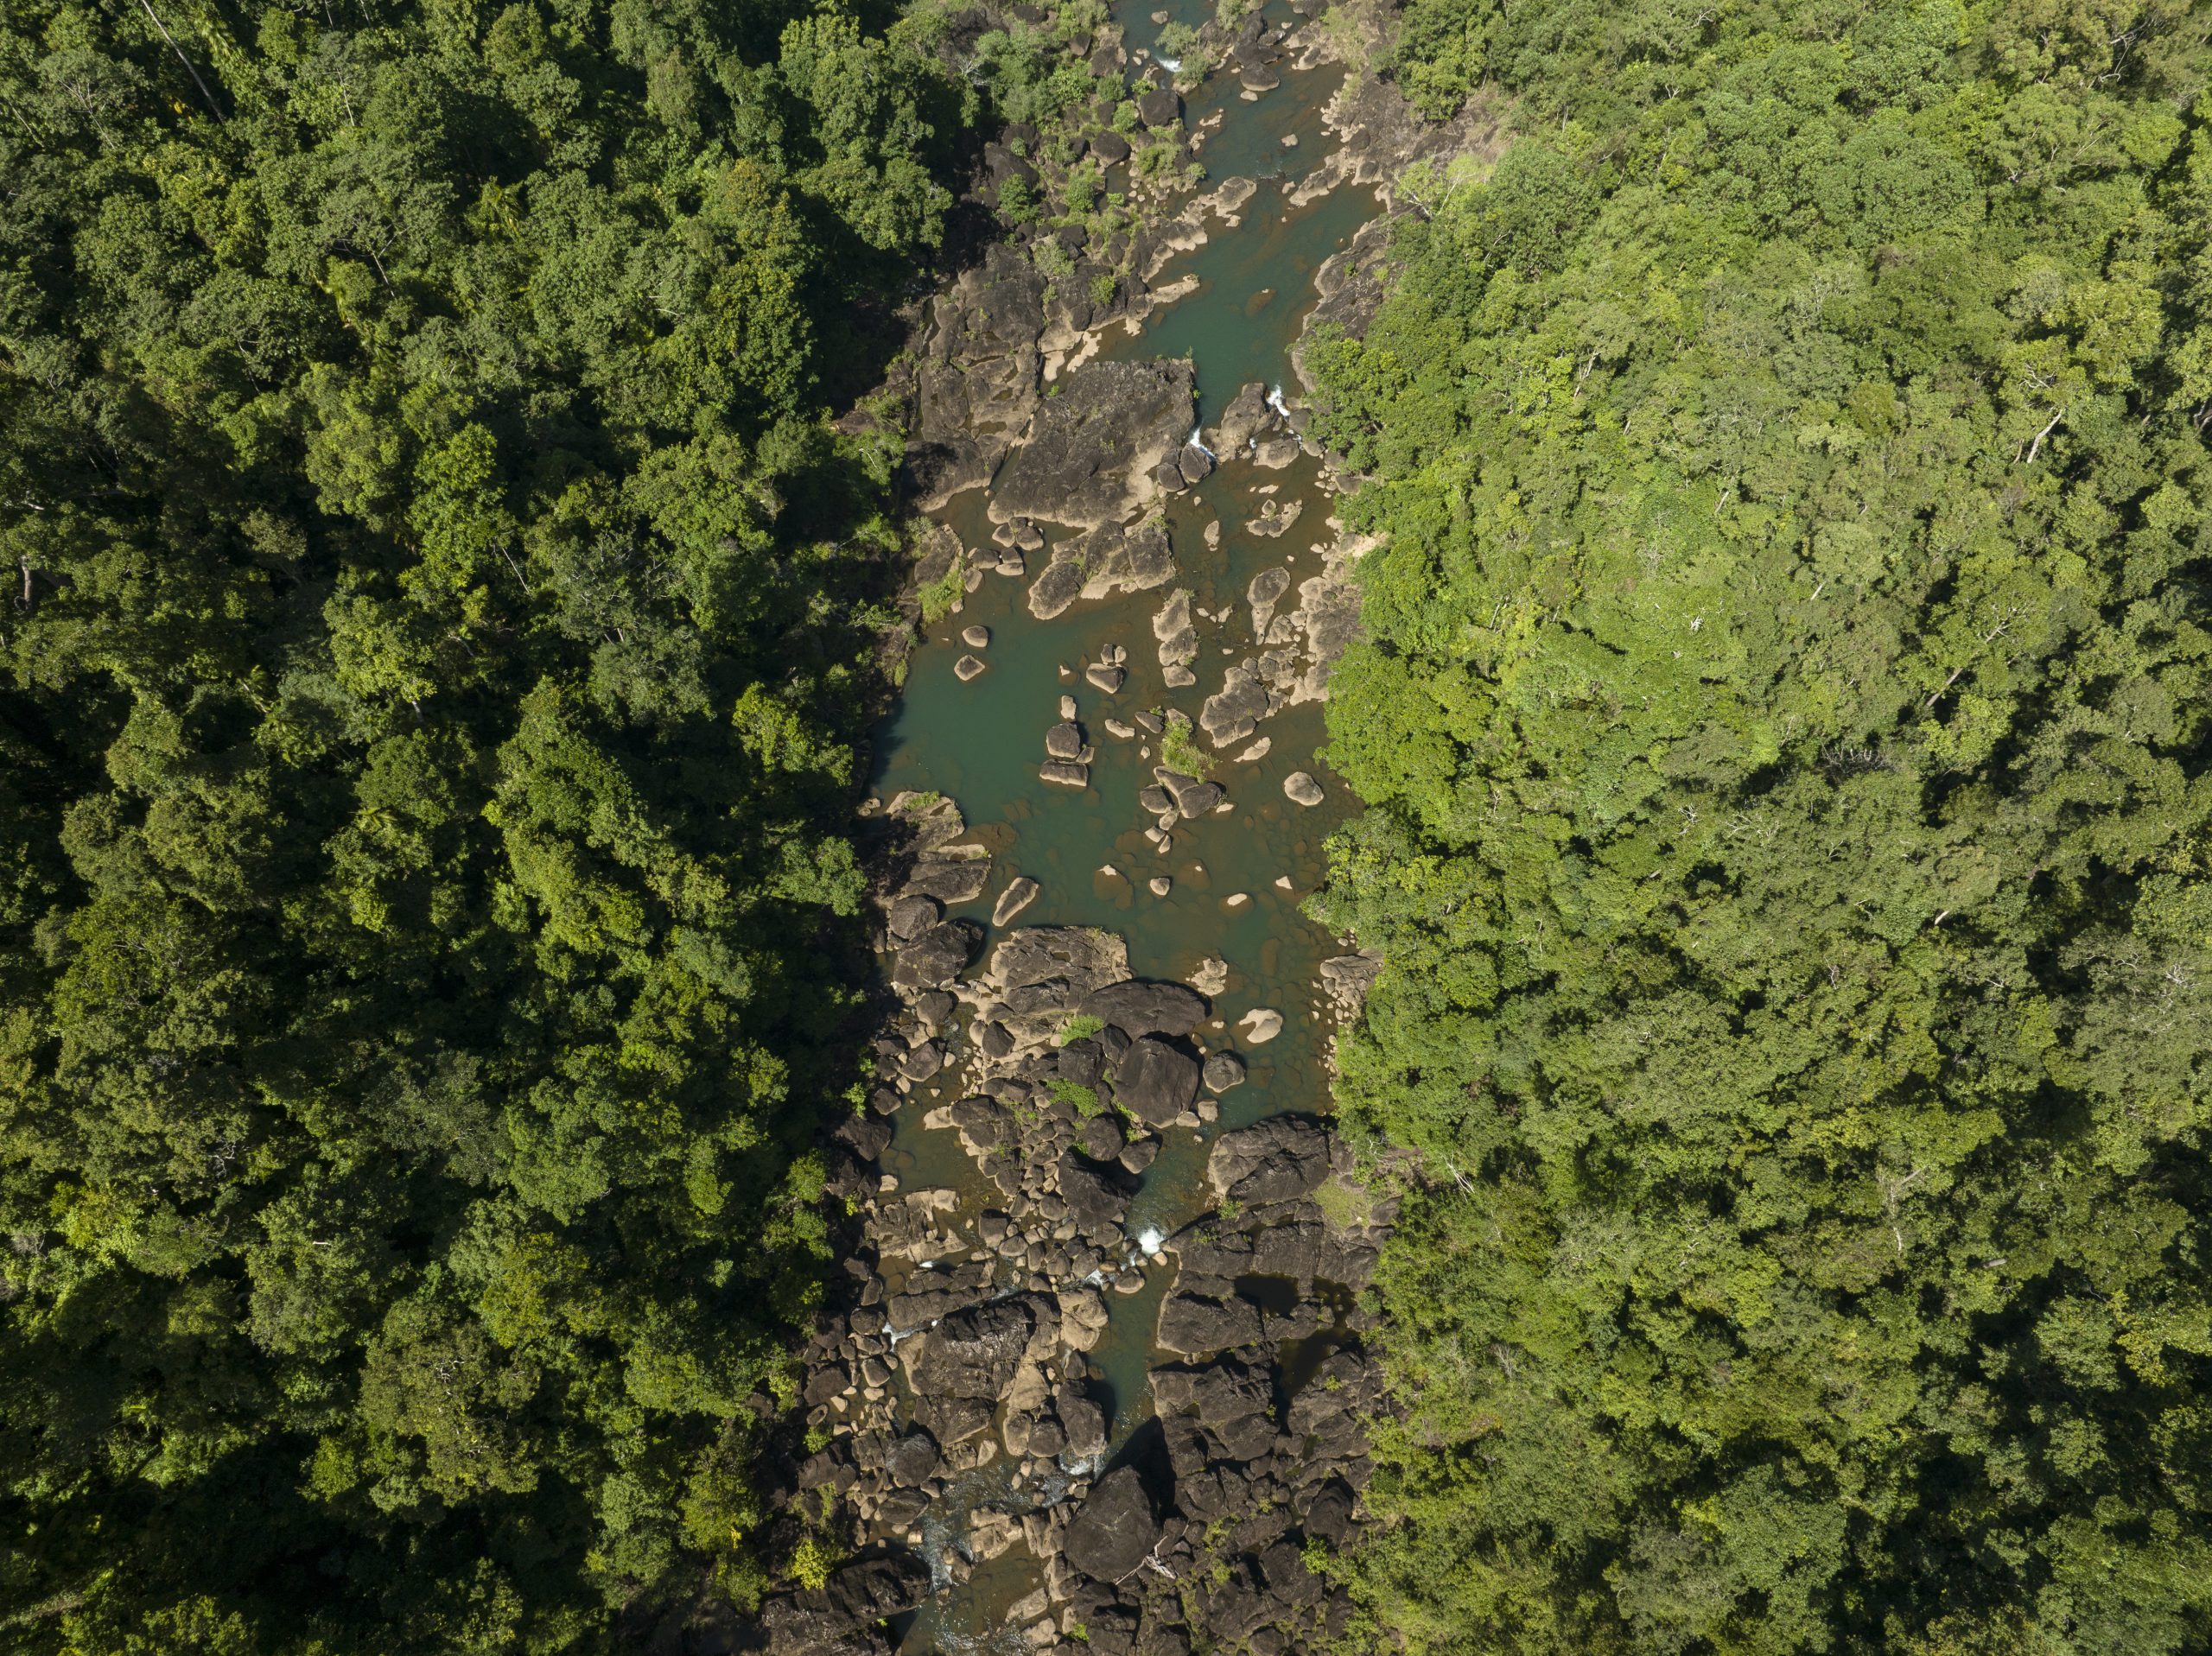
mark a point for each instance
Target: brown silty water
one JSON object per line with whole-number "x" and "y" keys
{"x": 1237, "y": 875}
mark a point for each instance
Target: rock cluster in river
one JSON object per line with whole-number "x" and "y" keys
{"x": 964, "y": 1347}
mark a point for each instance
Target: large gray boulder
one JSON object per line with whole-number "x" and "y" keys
{"x": 839, "y": 1618}
{"x": 974, "y": 1352}
{"x": 1093, "y": 1191}
{"x": 1271, "y": 1161}
{"x": 1088, "y": 457}
{"x": 1192, "y": 1326}
{"x": 935, "y": 956}
{"x": 1116, "y": 1530}
{"x": 1139, "y": 1008}
{"x": 1155, "y": 1081}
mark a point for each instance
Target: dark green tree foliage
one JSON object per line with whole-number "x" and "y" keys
{"x": 1785, "y": 732}
{"x": 436, "y": 631}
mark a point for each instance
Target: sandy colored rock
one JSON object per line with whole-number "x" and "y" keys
{"x": 1020, "y": 893}
{"x": 1261, "y": 1024}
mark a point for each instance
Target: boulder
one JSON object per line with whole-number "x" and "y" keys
{"x": 1020, "y": 893}
{"x": 1093, "y": 1190}
{"x": 912, "y": 1461}
{"x": 839, "y": 1617}
{"x": 1222, "y": 1071}
{"x": 1193, "y": 797}
{"x": 1089, "y": 452}
{"x": 1247, "y": 413}
{"x": 949, "y": 879}
{"x": 1058, "y": 585}
{"x": 1346, "y": 978}
{"x": 1159, "y": 108}
{"x": 1155, "y": 1081}
{"x": 1081, "y": 1420}
{"x": 1234, "y": 711}
{"x": 1063, "y": 741}
{"x": 1145, "y": 1008}
{"x": 1266, "y": 588}
{"x": 974, "y": 1352}
{"x": 869, "y": 1135}
{"x": 1275, "y": 1160}
{"x": 968, "y": 670}
{"x": 1301, "y": 790}
{"x": 1101, "y": 1136}
{"x": 1114, "y": 1530}
{"x": 1108, "y": 679}
{"x": 1085, "y": 959}
{"x": 1177, "y": 639}
{"x": 1065, "y": 773}
{"x": 1261, "y": 1026}
{"x": 935, "y": 956}
{"x": 912, "y": 915}
{"x": 1080, "y": 1062}
{"x": 1194, "y": 1326}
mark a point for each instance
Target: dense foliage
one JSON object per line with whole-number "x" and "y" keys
{"x": 1785, "y": 727}
{"x": 437, "y": 623}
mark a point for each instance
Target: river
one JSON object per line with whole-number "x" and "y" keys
{"x": 1239, "y": 876}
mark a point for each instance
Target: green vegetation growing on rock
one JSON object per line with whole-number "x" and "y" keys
{"x": 1784, "y": 732}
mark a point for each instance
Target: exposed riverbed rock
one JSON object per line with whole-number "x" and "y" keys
{"x": 935, "y": 956}
{"x": 1114, "y": 1530}
{"x": 1144, "y": 1008}
{"x": 1038, "y": 976}
{"x": 1101, "y": 562}
{"x": 1155, "y": 1082}
{"x": 1261, "y": 1024}
{"x": 1223, "y": 1070}
{"x": 1234, "y": 711}
{"x": 1347, "y": 978}
{"x": 975, "y": 384}
{"x": 1020, "y": 893}
{"x": 1088, "y": 457}
{"x": 912, "y": 915}
{"x": 1193, "y": 1325}
{"x": 839, "y": 1617}
{"x": 1264, "y": 593}
{"x": 975, "y": 1351}
{"x": 1271, "y": 1161}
